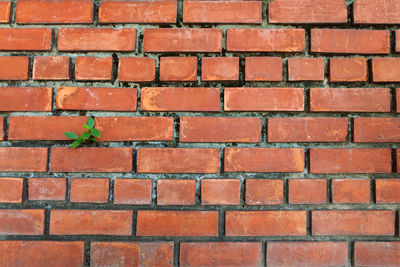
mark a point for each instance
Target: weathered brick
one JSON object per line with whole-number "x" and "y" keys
{"x": 342, "y": 69}
{"x": 376, "y": 12}
{"x": 377, "y": 253}
{"x": 376, "y": 130}
{"x": 31, "y": 39}
{"x": 264, "y": 191}
{"x": 219, "y": 68}
{"x": 220, "y": 192}
{"x": 51, "y": 68}
{"x": 347, "y": 160}
{"x": 387, "y": 190}
{"x": 306, "y": 69}
{"x": 178, "y": 160}
{"x": 263, "y": 69}
{"x": 176, "y": 192}
{"x": 11, "y": 190}
{"x": 350, "y": 191}
{"x": 133, "y": 191}
{"x": 102, "y": 159}
{"x": 265, "y": 223}
{"x": 20, "y": 98}
{"x": 92, "y": 190}
{"x": 350, "y": 99}
{"x": 23, "y": 159}
{"x": 136, "y": 69}
{"x": 385, "y": 69}
{"x": 14, "y": 67}
{"x": 263, "y": 99}
{"x": 5, "y": 7}
{"x": 93, "y": 68}
{"x": 47, "y": 188}
{"x": 307, "y": 191}
{"x": 21, "y": 222}
{"x": 352, "y": 222}
{"x": 264, "y": 160}
{"x": 220, "y": 129}
{"x": 178, "y": 68}
{"x": 177, "y": 223}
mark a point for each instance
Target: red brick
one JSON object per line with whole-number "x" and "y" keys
{"x": 112, "y": 11}
{"x": 387, "y": 190}
{"x": 220, "y": 254}
{"x": 307, "y": 129}
{"x": 376, "y": 130}
{"x": 177, "y": 223}
{"x": 42, "y": 253}
{"x": 350, "y": 41}
{"x": 178, "y": 160}
{"x": 265, "y": 223}
{"x": 47, "y": 188}
{"x": 347, "y": 160}
{"x": 89, "y": 190}
{"x": 23, "y": 159}
{"x": 264, "y": 99}
{"x": 2, "y": 126}
{"x": 32, "y": 39}
{"x": 44, "y": 127}
{"x": 222, "y": 12}
{"x": 102, "y": 159}
{"x": 180, "y": 99}
{"x": 131, "y": 254}
{"x": 352, "y": 222}
{"x": 307, "y": 11}
{"x": 93, "y": 68}
{"x": 265, "y": 40}
{"x": 20, "y": 98}
{"x": 385, "y": 69}
{"x": 342, "y": 69}
{"x": 11, "y": 190}
{"x": 264, "y": 191}
{"x": 350, "y": 191}
{"x": 90, "y": 222}
{"x": 220, "y": 68}
{"x": 377, "y": 253}
{"x": 264, "y": 160}
{"x": 51, "y": 68}
{"x": 176, "y": 192}
{"x": 263, "y": 69}
{"x": 54, "y": 11}
{"x": 178, "y": 68}
{"x": 96, "y": 39}
{"x": 96, "y": 98}
{"x": 220, "y": 129}
{"x": 306, "y": 69}
{"x": 133, "y": 191}
{"x": 350, "y": 99}
{"x": 307, "y": 254}
{"x": 220, "y": 192}
{"x": 397, "y": 41}
{"x": 182, "y": 40}
{"x": 14, "y": 67}
{"x": 307, "y": 191}
{"x": 5, "y": 7}
{"x": 22, "y": 222}
{"x": 376, "y": 12}
{"x": 135, "y": 128}
{"x": 136, "y": 69}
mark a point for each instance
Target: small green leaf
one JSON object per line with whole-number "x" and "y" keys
{"x": 71, "y": 135}
{"x": 95, "y": 132}
{"x": 76, "y": 143}
{"x": 85, "y": 135}
{"x": 90, "y": 123}
{"x": 86, "y": 126}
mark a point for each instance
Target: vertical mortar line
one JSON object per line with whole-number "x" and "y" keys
{"x": 134, "y": 159}
{"x": 242, "y": 191}
{"x": 264, "y": 129}
{"x": 114, "y": 68}
{"x": 72, "y": 61}
{"x": 87, "y": 253}
{"x": 176, "y": 253}
{"x": 372, "y": 188}
{"x": 264, "y": 13}
{"x": 309, "y": 223}
{"x": 96, "y": 4}
{"x": 68, "y": 197}
{"x": 329, "y": 190}
{"x": 396, "y": 223}
{"x": 30, "y": 67}
{"x": 392, "y": 100}
{"x": 197, "y": 200}
{"x": 307, "y": 163}
{"x": 179, "y": 13}
{"x": 134, "y": 222}
{"x": 394, "y": 160}
{"x": 285, "y": 191}
{"x": 154, "y": 191}
{"x": 350, "y": 129}
{"x": 307, "y": 48}
{"x": 25, "y": 190}
{"x": 13, "y": 11}
{"x": 392, "y": 41}
{"x": 47, "y": 221}
{"x": 111, "y": 191}
{"x": 242, "y": 70}
{"x": 350, "y": 254}
{"x": 6, "y": 122}
{"x": 264, "y": 253}
{"x": 221, "y": 223}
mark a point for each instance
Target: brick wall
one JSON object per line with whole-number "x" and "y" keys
{"x": 234, "y": 133}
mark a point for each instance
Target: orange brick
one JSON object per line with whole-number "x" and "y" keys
{"x": 112, "y": 11}
{"x": 102, "y": 159}
{"x": 178, "y": 68}
{"x": 263, "y": 159}
{"x": 220, "y": 68}
{"x": 176, "y": 192}
{"x": 264, "y": 191}
{"x": 307, "y": 191}
{"x": 133, "y": 191}
{"x": 20, "y": 98}
{"x": 53, "y": 11}
{"x": 177, "y": 223}
{"x": 263, "y": 99}
{"x": 96, "y": 98}
{"x": 51, "y": 68}
{"x": 178, "y": 160}
{"x": 20, "y": 159}
{"x": 96, "y": 39}
{"x": 220, "y": 129}
{"x": 350, "y": 99}
{"x": 11, "y": 190}
{"x": 2, "y": 126}
{"x": 348, "y": 69}
{"x": 89, "y": 190}
{"x": 31, "y": 39}
{"x": 5, "y": 7}
{"x": 376, "y": 12}
{"x": 265, "y": 40}
{"x": 14, "y": 67}
{"x": 306, "y": 69}
{"x": 21, "y": 222}
{"x": 376, "y": 130}
{"x": 136, "y": 69}
{"x": 377, "y": 253}
{"x": 90, "y": 222}
{"x": 180, "y": 99}
{"x": 263, "y": 69}
{"x": 387, "y": 190}
{"x": 352, "y": 222}
{"x": 47, "y": 188}
{"x": 385, "y": 69}
{"x": 265, "y": 223}
{"x": 350, "y": 191}
{"x": 93, "y": 68}
{"x": 220, "y": 192}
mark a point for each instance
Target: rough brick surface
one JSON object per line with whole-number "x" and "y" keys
{"x": 14, "y": 68}
{"x": 348, "y": 69}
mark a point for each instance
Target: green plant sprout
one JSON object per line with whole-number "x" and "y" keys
{"x": 86, "y": 137}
